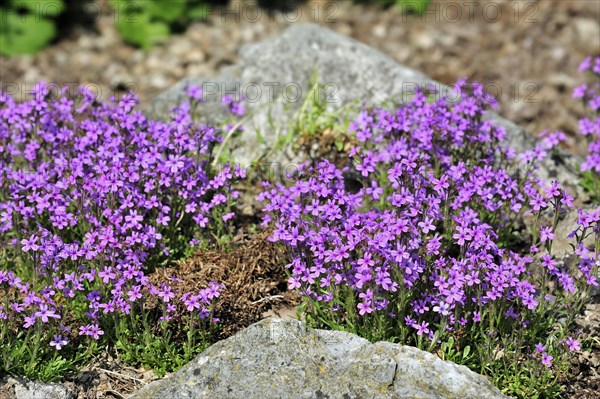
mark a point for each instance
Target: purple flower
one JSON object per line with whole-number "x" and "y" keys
{"x": 463, "y": 234}
{"x": 580, "y": 91}
{"x": 134, "y": 294}
{"x": 84, "y": 330}
{"x": 548, "y": 262}
{"x": 293, "y": 283}
{"x": 29, "y": 245}
{"x": 58, "y": 342}
{"x": 427, "y": 225}
{"x": 95, "y": 332}
{"x": 364, "y": 308}
{"x": 29, "y": 321}
{"x": 585, "y": 64}
{"x": 573, "y": 344}
{"x": 45, "y": 313}
{"x": 546, "y": 234}
{"x": 165, "y": 293}
{"x": 547, "y": 360}
{"x": 213, "y": 290}
{"x": 422, "y": 328}
{"x": 195, "y": 92}
{"x": 540, "y": 348}
{"x": 191, "y": 302}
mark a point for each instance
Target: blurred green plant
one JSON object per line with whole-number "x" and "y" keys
{"x": 414, "y": 6}
{"x": 145, "y": 23}
{"x": 27, "y": 26}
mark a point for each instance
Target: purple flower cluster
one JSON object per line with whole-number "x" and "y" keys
{"x": 235, "y": 107}
{"x": 92, "y": 196}
{"x": 590, "y": 126}
{"x": 424, "y": 240}
{"x": 541, "y": 351}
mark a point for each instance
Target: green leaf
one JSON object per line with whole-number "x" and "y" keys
{"x": 199, "y": 12}
{"x": 142, "y": 32}
{"x": 466, "y": 351}
{"x": 591, "y": 183}
{"x": 166, "y": 10}
{"x": 24, "y": 34}
{"x": 260, "y": 138}
{"x": 416, "y": 6}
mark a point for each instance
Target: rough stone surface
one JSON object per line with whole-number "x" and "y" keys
{"x": 12, "y": 388}
{"x": 352, "y": 72}
{"x": 275, "y": 76}
{"x": 278, "y": 358}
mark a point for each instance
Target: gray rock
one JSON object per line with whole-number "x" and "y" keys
{"x": 351, "y": 72}
{"x": 275, "y": 76}
{"x": 282, "y": 359}
{"x": 24, "y": 389}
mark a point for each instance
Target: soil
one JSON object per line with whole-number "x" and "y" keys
{"x": 525, "y": 52}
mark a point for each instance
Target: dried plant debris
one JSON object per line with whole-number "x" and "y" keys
{"x": 253, "y": 274}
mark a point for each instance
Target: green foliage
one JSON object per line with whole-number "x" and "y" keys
{"x": 314, "y": 125}
{"x": 146, "y": 23}
{"x": 165, "y": 346}
{"x": 414, "y": 6}
{"x": 28, "y": 355}
{"x": 591, "y": 183}
{"x": 453, "y": 353}
{"x": 27, "y": 26}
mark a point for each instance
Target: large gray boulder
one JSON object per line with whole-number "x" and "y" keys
{"x": 276, "y": 74}
{"x": 275, "y": 77}
{"x": 282, "y": 359}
